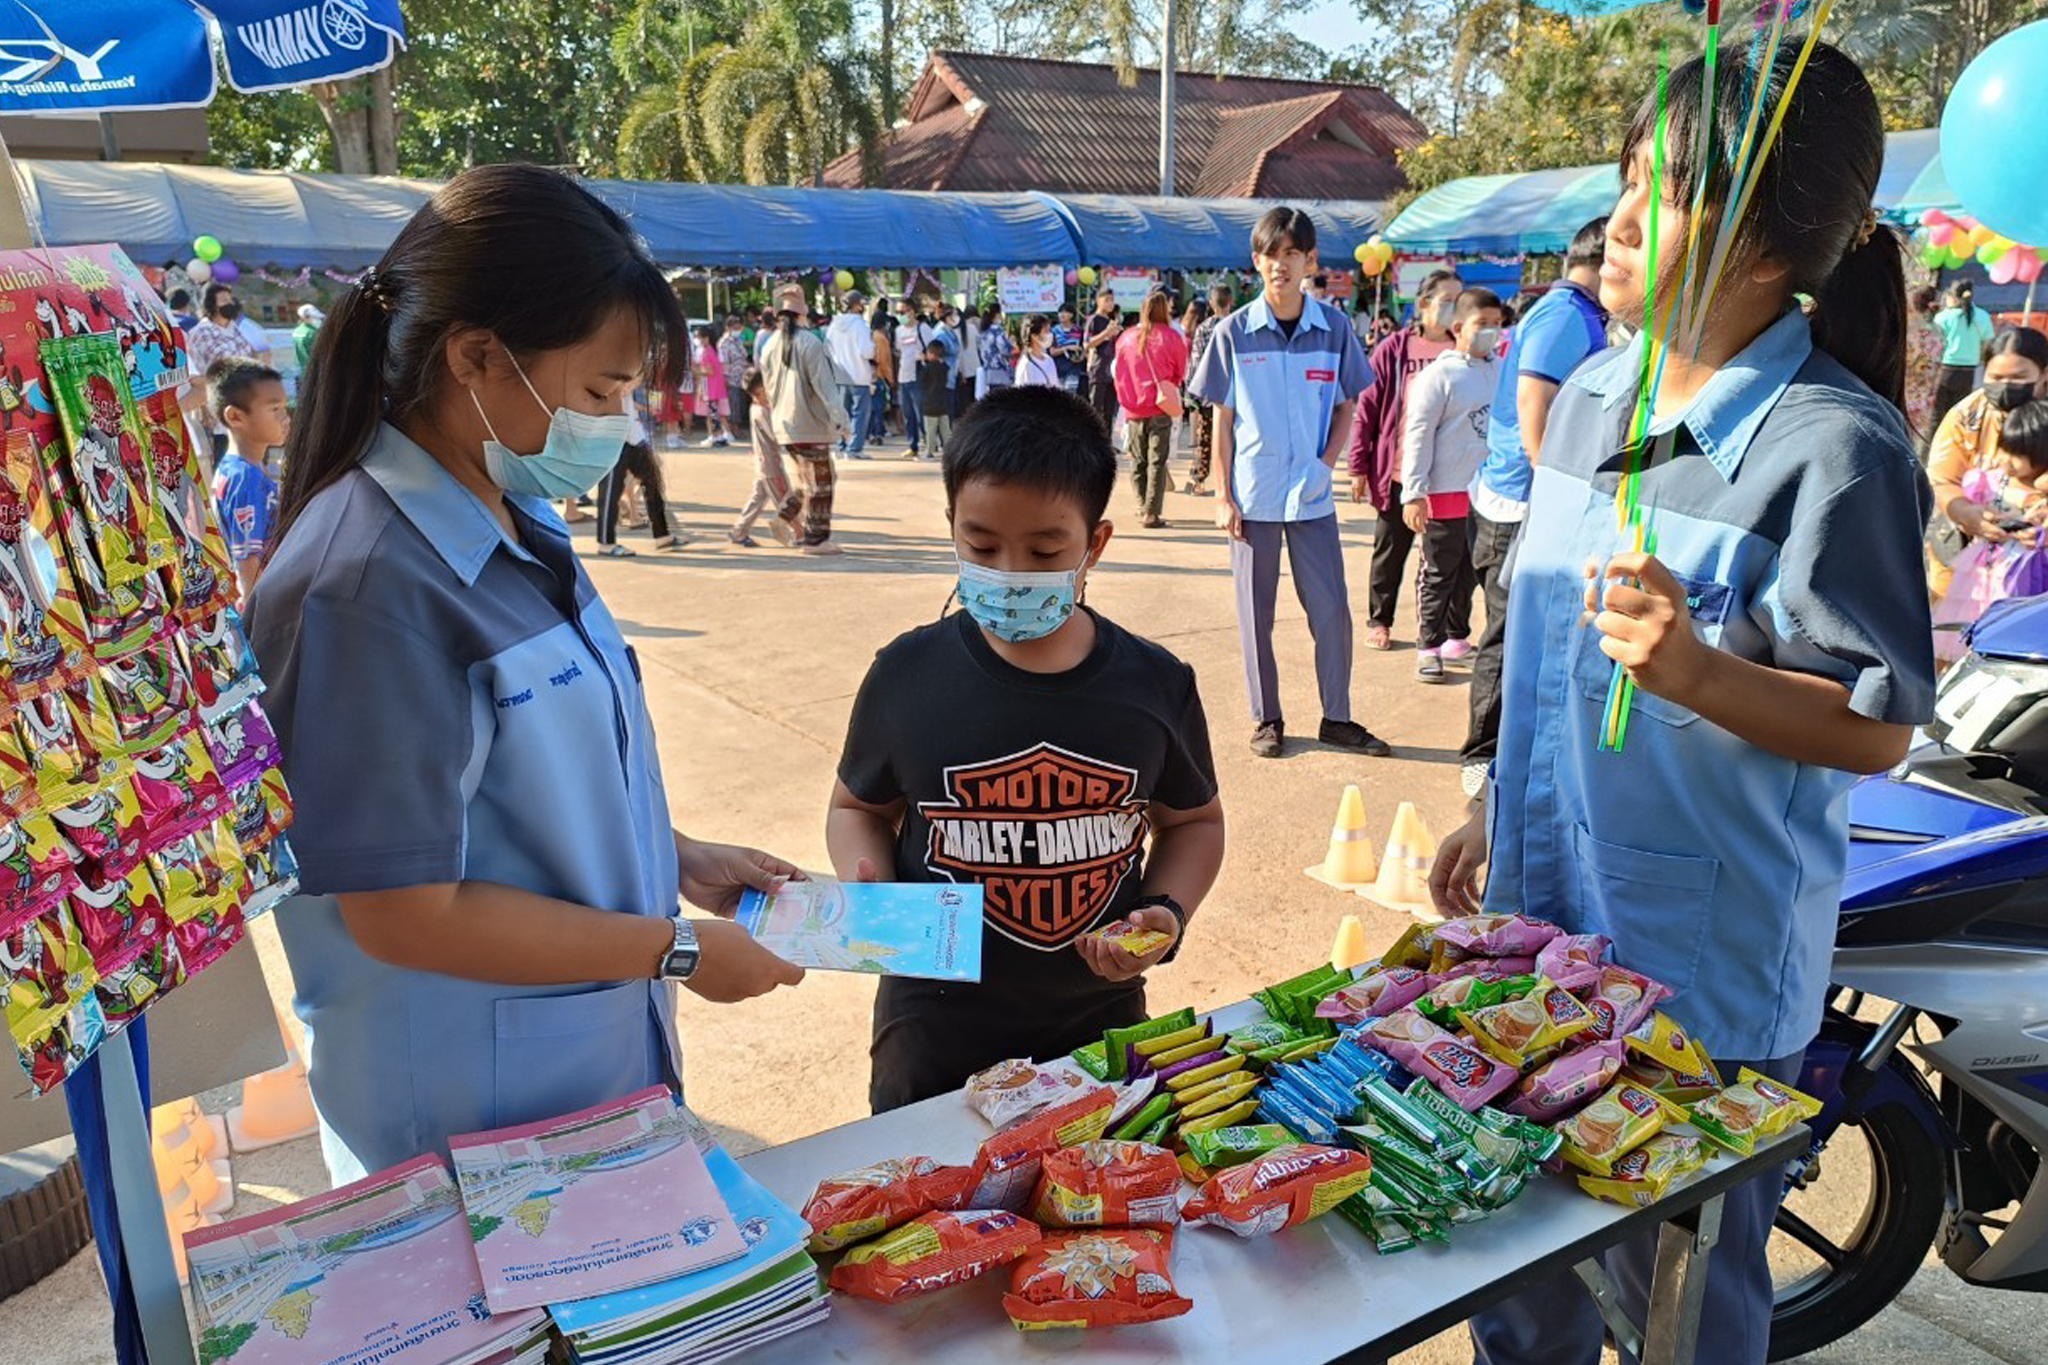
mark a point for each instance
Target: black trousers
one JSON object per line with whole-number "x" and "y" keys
{"x": 1443, "y": 591}
{"x": 1102, "y": 397}
{"x": 926, "y": 1045}
{"x": 635, "y": 458}
{"x": 1492, "y": 541}
{"x": 1951, "y": 387}
{"x": 1391, "y": 542}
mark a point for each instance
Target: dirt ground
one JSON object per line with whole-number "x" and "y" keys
{"x": 751, "y": 659}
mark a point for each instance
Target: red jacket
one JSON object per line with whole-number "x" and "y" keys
{"x": 1165, "y": 361}
{"x": 1376, "y": 421}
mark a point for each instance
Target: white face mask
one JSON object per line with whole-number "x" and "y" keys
{"x": 580, "y": 449}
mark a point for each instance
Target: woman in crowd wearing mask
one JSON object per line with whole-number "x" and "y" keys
{"x": 494, "y": 886}
{"x": 1967, "y": 439}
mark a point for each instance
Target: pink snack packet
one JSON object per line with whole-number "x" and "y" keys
{"x": 1573, "y": 961}
{"x": 1457, "y": 1068}
{"x": 1497, "y": 935}
{"x": 1620, "y": 1000}
{"x": 1374, "y": 995}
{"x": 1556, "y": 1088}
{"x": 1489, "y": 969}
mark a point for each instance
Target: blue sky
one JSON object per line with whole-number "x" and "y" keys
{"x": 1331, "y": 25}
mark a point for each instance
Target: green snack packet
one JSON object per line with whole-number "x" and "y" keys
{"x": 1504, "y": 1148}
{"x": 1093, "y": 1058}
{"x": 1223, "y": 1147}
{"x": 1389, "y": 1235}
{"x": 1156, "y": 1108}
{"x": 1399, "y": 1192}
{"x": 1481, "y": 995}
{"x": 1294, "y": 1000}
{"x": 1159, "y": 1131}
{"x": 1415, "y": 1166}
{"x": 1387, "y": 1104}
{"x": 1117, "y": 1041}
{"x": 1265, "y": 1033}
{"x": 1309, "y": 1049}
{"x": 1541, "y": 1143}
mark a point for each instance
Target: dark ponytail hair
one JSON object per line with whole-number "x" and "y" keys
{"x": 1812, "y": 205}
{"x": 1965, "y": 294}
{"x": 2027, "y": 343}
{"x": 523, "y": 251}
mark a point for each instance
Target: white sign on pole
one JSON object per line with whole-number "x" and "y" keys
{"x": 1031, "y": 288}
{"x": 1130, "y": 286}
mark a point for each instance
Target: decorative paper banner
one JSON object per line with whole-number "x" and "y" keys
{"x": 1032, "y": 288}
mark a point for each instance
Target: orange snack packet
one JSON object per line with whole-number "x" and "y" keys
{"x": 1287, "y": 1185}
{"x": 1109, "y": 1278}
{"x": 932, "y": 1251}
{"x": 1108, "y": 1184}
{"x": 1008, "y": 1165}
{"x": 846, "y": 1208}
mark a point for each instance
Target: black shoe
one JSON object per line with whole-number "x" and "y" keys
{"x": 1349, "y": 734}
{"x": 1268, "y": 739}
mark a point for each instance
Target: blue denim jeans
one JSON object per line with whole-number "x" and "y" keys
{"x": 858, "y": 400}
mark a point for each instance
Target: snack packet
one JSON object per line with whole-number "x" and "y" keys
{"x": 106, "y": 828}
{"x": 126, "y": 991}
{"x": 147, "y": 696}
{"x": 1009, "y": 1091}
{"x": 1640, "y": 1178}
{"x": 58, "y": 754}
{"x": 1134, "y": 939}
{"x": 203, "y": 570}
{"x": 1223, "y": 1148}
{"x": 1263, "y": 1034}
{"x": 1373, "y": 995}
{"x": 38, "y": 868}
{"x": 1620, "y": 1000}
{"x": 241, "y": 744}
{"x": 1525, "y": 1030}
{"x": 1471, "y": 991}
{"x": 200, "y": 873}
{"x": 1117, "y": 1042}
{"x": 85, "y": 376}
{"x": 1573, "y": 961}
{"x": 273, "y": 876}
{"x": 1092, "y": 1058}
{"x": 1661, "y": 1039}
{"x": 178, "y": 788}
{"x": 1755, "y": 1107}
{"x": 201, "y": 940}
{"x": 1557, "y": 1087}
{"x": 1286, "y": 1186}
{"x": 1112, "y": 1278}
{"x": 42, "y": 630}
{"x": 1007, "y": 1166}
{"x": 1460, "y": 1070}
{"x": 44, "y": 968}
{"x": 223, "y": 666}
{"x": 932, "y": 1251}
{"x": 1699, "y": 1079}
{"x": 1497, "y": 935}
{"x": 846, "y": 1208}
{"x": 1108, "y": 1184}
{"x": 119, "y": 918}
{"x": 1621, "y": 1120}
{"x": 1294, "y": 1000}
{"x": 73, "y": 1037}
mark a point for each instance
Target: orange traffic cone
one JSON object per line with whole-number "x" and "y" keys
{"x": 1349, "y": 951}
{"x": 1403, "y": 882}
{"x": 185, "y": 1146}
{"x": 277, "y": 1105}
{"x": 1348, "y": 864}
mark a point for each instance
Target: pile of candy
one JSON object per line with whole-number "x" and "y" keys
{"x": 142, "y": 809}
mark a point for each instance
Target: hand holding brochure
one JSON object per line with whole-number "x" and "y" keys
{"x": 927, "y": 929}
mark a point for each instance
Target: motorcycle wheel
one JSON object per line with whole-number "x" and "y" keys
{"x": 1847, "y": 1279}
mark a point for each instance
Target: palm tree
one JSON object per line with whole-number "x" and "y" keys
{"x": 772, "y": 108}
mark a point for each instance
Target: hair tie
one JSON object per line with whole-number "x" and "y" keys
{"x": 376, "y": 288}
{"x": 1868, "y": 227}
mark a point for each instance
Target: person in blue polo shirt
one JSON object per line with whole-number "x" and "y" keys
{"x": 492, "y": 918}
{"x": 1560, "y": 330}
{"x": 1281, "y": 375}
{"x": 1779, "y": 637}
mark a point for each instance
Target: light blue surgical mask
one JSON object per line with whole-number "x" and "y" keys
{"x": 580, "y": 449}
{"x": 1015, "y": 607}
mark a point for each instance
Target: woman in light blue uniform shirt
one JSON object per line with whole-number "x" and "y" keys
{"x": 492, "y": 912}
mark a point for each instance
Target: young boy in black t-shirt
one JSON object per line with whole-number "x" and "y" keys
{"x": 1028, "y": 744}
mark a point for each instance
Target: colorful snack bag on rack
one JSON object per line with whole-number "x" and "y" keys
{"x": 241, "y": 743}
{"x": 932, "y": 1251}
{"x": 149, "y": 695}
{"x": 42, "y": 624}
{"x": 1114, "y": 1278}
{"x": 1374, "y": 995}
{"x": 1573, "y": 961}
{"x": 277, "y": 801}
{"x": 201, "y": 872}
{"x": 224, "y": 673}
{"x": 120, "y": 917}
{"x": 1754, "y": 1108}
{"x": 1557, "y": 1087}
{"x": 203, "y": 939}
{"x": 1621, "y": 1000}
{"x": 1641, "y": 1178}
{"x": 203, "y": 572}
{"x": 106, "y": 827}
{"x": 1497, "y": 935}
{"x": 44, "y": 968}
{"x": 178, "y": 787}
{"x": 127, "y": 990}
{"x": 75, "y": 1035}
{"x": 1108, "y": 1184}
{"x": 273, "y": 876}
{"x": 1286, "y": 1186}
{"x": 846, "y": 1208}
{"x": 63, "y": 760}
{"x": 1612, "y": 1126}
{"x": 103, "y": 440}
{"x": 1456, "y": 1067}
{"x": 1008, "y": 1164}
{"x": 38, "y": 868}
{"x": 1523, "y": 1031}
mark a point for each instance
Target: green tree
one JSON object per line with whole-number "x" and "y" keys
{"x": 280, "y": 131}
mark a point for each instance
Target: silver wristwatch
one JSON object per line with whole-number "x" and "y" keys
{"x": 680, "y": 962}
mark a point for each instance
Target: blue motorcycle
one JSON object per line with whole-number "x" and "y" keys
{"x": 1933, "y": 1059}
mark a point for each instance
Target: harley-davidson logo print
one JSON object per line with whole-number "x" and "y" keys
{"x": 1050, "y": 836}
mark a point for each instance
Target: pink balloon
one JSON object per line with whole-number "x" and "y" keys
{"x": 1940, "y": 233}
{"x": 1933, "y": 218}
{"x": 2004, "y": 270}
{"x": 2026, "y": 267}
{"x": 1073, "y": 277}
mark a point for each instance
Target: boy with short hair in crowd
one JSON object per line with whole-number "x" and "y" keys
{"x": 1031, "y": 746}
{"x": 1443, "y": 444}
{"x": 249, "y": 403}
{"x": 772, "y": 490}
{"x": 935, "y": 388}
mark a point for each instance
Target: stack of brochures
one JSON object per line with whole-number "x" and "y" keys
{"x": 378, "y": 1270}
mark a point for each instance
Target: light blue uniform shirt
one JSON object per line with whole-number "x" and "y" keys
{"x": 1282, "y": 391}
{"x": 1791, "y": 509}
{"x": 1557, "y": 333}
{"x": 456, "y": 704}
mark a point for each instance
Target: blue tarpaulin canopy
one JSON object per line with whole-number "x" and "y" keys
{"x": 294, "y": 219}
{"x": 1539, "y": 211}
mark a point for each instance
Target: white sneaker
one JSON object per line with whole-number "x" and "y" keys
{"x": 783, "y": 535}
{"x": 823, "y": 547}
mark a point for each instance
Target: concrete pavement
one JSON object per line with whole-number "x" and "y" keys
{"x": 751, "y": 659}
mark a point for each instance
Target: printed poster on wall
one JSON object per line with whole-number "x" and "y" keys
{"x": 1031, "y": 288}
{"x": 1130, "y": 286}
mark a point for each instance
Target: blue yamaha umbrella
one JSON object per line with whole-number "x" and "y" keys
{"x": 98, "y": 55}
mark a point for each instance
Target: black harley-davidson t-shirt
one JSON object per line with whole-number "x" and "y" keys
{"x": 1038, "y": 787}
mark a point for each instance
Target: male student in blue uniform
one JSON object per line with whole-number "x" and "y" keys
{"x": 1281, "y": 375}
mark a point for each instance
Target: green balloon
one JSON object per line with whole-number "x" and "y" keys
{"x": 1933, "y": 257}
{"x": 207, "y": 248}
{"x": 1989, "y": 253}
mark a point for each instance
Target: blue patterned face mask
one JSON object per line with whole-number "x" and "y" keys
{"x": 1015, "y": 607}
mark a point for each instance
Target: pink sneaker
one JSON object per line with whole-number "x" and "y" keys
{"x": 1457, "y": 651}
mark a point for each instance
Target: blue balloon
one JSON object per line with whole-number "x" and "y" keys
{"x": 2000, "y": 103}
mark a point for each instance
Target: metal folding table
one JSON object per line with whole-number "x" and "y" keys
{"x": 1313, "y": 1293}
